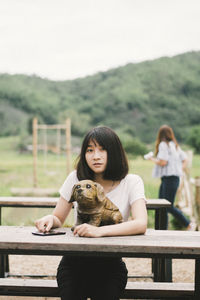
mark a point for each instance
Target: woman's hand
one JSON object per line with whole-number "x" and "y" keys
{"x": 58, "y": 217}
{"x": 45, "y": 224}
{"x": 87, "y": 230}
{"x": 159, "y": 162}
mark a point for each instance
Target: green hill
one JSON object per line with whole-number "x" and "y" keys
{"x": 134, "y": 99}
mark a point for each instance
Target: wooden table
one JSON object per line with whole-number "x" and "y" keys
{"x": 159, "y": 205}
{"x": 155, "y": 243}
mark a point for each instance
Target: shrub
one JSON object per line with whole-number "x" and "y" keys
{"x": 135, "y": 147}
{"x": 194, "y": 138}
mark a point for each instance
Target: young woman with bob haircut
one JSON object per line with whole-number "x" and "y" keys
{"x": 103, "y": 160}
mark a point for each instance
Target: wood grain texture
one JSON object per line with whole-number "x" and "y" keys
{"x": 45, "y": 288}
{"x": 52, "y": 201}
{"x": 180, "y": 244}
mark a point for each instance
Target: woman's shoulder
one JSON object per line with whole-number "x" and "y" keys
{"x": 163, "y": 144}
{"x": 134, "y": 185}
{"x": 72, "y": 177}
{"x": 171, "y": 143}
{"x": 66, "y": 188}
{"x": 73, "y": 174}
{"x": 132, "y": 178}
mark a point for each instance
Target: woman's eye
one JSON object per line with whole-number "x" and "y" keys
{"x": 89, "y": 150}
{"x": 78, "y": 187}
{"x": 88, "y": 186}
{"x": 102, "y": 148}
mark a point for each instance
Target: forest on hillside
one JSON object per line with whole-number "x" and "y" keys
{"x": 134, "y": 99}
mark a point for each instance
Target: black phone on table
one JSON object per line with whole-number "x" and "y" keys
{"x": 47, "y": 233}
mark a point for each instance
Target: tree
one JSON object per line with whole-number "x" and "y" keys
{"x": 194, "y": 138}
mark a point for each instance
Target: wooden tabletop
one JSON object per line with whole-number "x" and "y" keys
{"x": 28, "y": 201}
{"x": 182, "y": 244}
{"x": 157, "y": 203}
{"x": 52, "y": 201}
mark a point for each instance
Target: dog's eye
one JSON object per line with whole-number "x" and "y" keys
{"x": 78, "y": 187}
{"x": 88, "y": 186}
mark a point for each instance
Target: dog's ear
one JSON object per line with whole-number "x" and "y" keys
{"x": 100, "y": 192}
{"x": 72, "y": 199}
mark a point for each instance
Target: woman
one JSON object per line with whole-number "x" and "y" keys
{"x": 103, "y": 160}
{"x": 170, "y": 161}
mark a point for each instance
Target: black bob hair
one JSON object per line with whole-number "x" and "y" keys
{"x": 117, "y": 164}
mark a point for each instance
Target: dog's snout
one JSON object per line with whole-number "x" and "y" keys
{"x": 79, "y": 191}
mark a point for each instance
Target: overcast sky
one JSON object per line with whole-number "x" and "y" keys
{"x": 66, "y": 39}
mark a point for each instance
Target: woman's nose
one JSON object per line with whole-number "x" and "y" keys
{"x": 96, "y": 154}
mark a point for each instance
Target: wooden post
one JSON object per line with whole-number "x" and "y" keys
{"x": 67, "y": 127}
{"x": 58, "y": 144}
{"x": 68, "y": 144}
{"x": 197, "y": 199}
{"x": 35, "y": 152}
{"x": 185, "y": 190}
{"x": 197, "y": 191}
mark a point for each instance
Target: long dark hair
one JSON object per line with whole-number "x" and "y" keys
{"x": 117, "y": 164}
{"x": 165, "y": 134}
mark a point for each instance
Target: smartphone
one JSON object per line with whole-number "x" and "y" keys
{"x": 51, "y": 232}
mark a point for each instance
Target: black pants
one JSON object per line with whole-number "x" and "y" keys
{"x": 168, "y": 189}
{"x": 98, "y": 278}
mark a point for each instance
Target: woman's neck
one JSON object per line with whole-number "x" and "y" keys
{"x": 99, "y": 178}
{"x": 108, "y": 185}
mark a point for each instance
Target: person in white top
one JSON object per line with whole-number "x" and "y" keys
{"x": 103, "y": 160}
{"x": 169, "y": 162}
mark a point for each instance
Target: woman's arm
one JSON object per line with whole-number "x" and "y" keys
{"x": 58, "y": 217}
{"x": 137, "y": 225}
{"x": 159, "y": 162}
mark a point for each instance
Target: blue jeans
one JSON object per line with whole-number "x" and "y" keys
{"x": 168, "y": 189}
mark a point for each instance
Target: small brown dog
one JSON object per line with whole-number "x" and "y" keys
{"x": 93, "y": 206}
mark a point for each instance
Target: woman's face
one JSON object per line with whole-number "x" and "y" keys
{"x": 96, "y": 157}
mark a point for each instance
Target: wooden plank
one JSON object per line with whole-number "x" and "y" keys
{"x": 33, "y": 191}
{"x": 51, "y": 202}
{"x": 48, "y": 288}
{"x": 157, "y": 203}
{"x": 149, "y": 290}
{"x": 28, "y": 201}
{"x": 54, "y": 126}
{"x": 19, "y": 240}
{"x": 28, "y": 287}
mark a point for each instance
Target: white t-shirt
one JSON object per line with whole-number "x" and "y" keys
{"x": 174, "y": 157}
{"x": 130, "y": 189}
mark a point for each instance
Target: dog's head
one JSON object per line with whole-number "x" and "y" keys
{"x": 87, "y": 192}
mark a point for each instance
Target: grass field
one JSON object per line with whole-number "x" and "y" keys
{"x": 16, "y": 170}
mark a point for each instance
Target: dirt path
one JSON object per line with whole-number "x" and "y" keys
{"x": 183, "y": 270}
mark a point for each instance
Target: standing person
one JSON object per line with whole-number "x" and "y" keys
{"x": 103, "y": 160}
{"x": 170, "y": 160}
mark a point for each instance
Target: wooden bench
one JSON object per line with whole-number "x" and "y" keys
{"x": 138, "y": 290}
